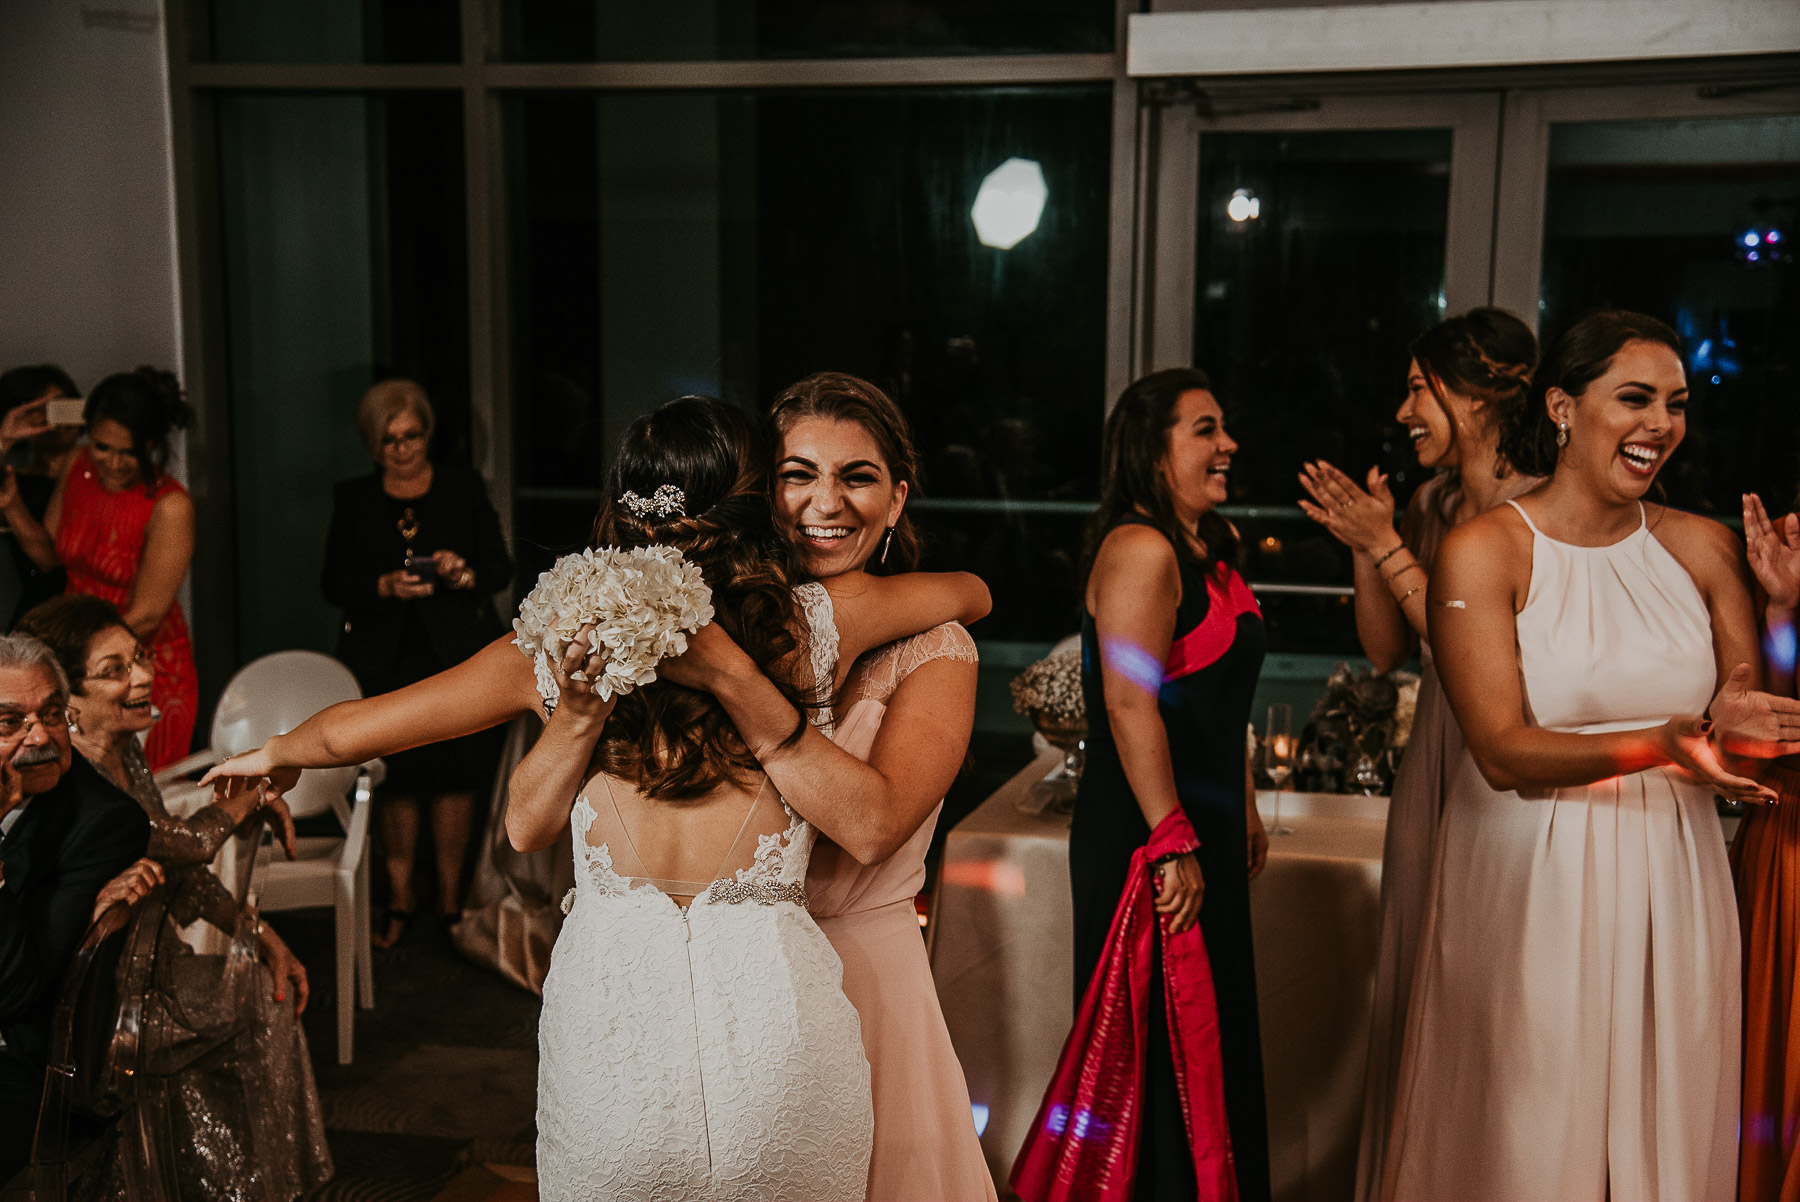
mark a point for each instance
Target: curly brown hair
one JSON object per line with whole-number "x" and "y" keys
{"x": 675, "y": 743}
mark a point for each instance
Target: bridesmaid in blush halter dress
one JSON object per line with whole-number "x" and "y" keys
{"x": 1573, "y": 1031}
{"x": 1467, "y": 382}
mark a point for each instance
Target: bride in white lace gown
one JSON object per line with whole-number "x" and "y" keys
{"x": 695, "y": 1041}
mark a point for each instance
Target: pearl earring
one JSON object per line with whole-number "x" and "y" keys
{"x": 1562, "y": 434}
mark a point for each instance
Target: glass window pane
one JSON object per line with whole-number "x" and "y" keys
{"x": 731, "y": 243}
{"x": 344, "y": 262}
{"x": 1693, "y": 222}
{"x": 334, "y": 31}
{"x": 604, "y": 30}
{"x": 1320, "y": 258}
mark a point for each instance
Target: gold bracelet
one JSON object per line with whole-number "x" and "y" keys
{"x": 1400, "y": 571}
{"x": 1398, "y": 547}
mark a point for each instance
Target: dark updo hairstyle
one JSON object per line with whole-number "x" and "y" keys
{"x": 22, "y": 384}
{"x": 845, "y": 398}
{"x": 1582, "y": 355}
{"x": 68, "y": 625}
{"x": 1131, "y": 478}
{"x": 149, "y": 403}
{"x": 674, "y": 742}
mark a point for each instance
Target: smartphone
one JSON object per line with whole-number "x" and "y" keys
{"x": 422, "y": 566}
{"x": 65, "y": 411}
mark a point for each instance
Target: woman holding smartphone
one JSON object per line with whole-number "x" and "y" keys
{"x": 413, "y": 558}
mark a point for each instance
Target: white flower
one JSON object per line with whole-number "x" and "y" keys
{"x": 1050, "y": 689}
{"x": 643, "y": 603}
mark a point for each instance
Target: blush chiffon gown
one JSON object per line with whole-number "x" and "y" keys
{"x": 1433, "y": 753}
{"x": 925, "y": 1142}
{"x": 1575, "y": 1012}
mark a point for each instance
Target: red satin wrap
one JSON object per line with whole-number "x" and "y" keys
{"x": 1083, "y": 1146}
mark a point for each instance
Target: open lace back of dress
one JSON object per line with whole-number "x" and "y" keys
{"x": 681, "y": 848}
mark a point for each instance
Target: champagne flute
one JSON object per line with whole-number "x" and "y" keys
{"x": 1278, "y": 755}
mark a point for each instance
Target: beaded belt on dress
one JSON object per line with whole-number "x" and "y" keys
{"x": 765, "y": 893}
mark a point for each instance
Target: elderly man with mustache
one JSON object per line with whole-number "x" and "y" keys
{"x": 66, "y": 835}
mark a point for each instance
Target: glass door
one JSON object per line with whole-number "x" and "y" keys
{"x": 1297, "y": 251}
{"x": 1683, "y": 203}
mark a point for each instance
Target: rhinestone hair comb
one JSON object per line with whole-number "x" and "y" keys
{"x": 667, "y": 500}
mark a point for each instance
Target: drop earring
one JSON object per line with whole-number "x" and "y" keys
{"x": 1562, "y": 434}
{"x": 887, "y": 543}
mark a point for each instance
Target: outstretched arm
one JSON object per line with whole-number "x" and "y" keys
{"x": 493, "y": 686}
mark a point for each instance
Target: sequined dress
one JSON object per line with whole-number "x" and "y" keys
{"x": 246, "y": 1124}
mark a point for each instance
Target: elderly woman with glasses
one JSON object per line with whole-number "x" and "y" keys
{"x": 247, "y": 1121}
{"x": 413, "y": 558}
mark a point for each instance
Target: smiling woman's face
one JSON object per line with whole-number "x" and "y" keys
{"x": 113, "y": 694}
{"x": 1627, "y": 423}
{"x": 834, "y": 495}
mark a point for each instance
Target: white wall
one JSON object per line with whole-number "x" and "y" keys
{"x": 87, "y": 236}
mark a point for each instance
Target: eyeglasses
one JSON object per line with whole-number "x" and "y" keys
{"x": 390, "y": 441}
{"x": 119, "y": 672}
{"x": 54, "y": 716}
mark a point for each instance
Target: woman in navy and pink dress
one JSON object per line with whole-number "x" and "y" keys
{"x": 1172, "y": 643}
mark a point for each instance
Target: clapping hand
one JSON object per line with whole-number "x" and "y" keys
{"x": 1747, "y": 722}
{"x": 1362, "y": 520}
{"x": 1774, "y": 552}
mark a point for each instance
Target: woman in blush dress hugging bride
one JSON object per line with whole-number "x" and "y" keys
{"x": 696, "y": 1041}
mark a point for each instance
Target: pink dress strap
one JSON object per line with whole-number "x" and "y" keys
{"x": 1203, "y": 645}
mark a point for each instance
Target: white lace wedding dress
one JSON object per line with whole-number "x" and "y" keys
{"x": 705, "y": 1053}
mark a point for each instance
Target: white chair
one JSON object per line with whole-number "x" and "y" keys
{"x": 268, "y": 697}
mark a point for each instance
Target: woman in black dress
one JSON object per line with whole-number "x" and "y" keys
{"x": 414, "y": 557}
{"x": 1172, "y": 643}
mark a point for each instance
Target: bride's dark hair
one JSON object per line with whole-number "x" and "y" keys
{"x": 677, "y": 743}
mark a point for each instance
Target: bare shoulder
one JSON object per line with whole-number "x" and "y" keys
{"x": 1135, "y": 549}
{"x": 1498, "y": 535}
{"x": 1702, "y": 545}
{"x": 173, "y": 505}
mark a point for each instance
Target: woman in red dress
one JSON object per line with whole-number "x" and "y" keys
{"x": 125, "y": 530}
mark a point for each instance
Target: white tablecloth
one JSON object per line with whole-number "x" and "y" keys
{"x": 1003, "y": 958}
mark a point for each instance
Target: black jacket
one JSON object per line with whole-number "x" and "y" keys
{"x": 365, "y": 543}
{"x": 63, "y": 848}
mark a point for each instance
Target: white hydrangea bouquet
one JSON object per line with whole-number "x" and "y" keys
{"x": 643, "y": 603}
